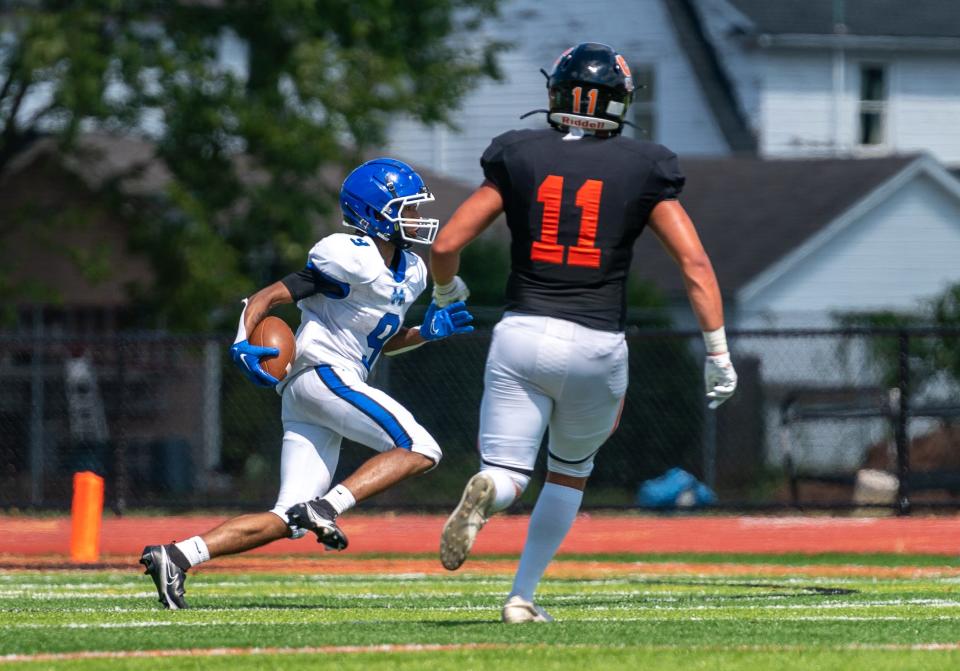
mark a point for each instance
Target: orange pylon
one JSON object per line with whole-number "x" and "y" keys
{"x": 87, "y": 514}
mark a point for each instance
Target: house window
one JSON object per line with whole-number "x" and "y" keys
{"x": 642, "y": 110}
{"x": 873, "y": 104}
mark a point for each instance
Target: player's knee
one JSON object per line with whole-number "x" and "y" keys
{"x": 518, "y": 481}
{"x": 427, "y": 455}
{"x": 580, "y": 470}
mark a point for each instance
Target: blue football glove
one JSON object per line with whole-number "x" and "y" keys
{"x": 443, "y": 322}
{"x": 247, "y": 358}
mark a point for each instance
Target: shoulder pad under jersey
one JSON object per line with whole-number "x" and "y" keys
{"x": 352, "y": 259}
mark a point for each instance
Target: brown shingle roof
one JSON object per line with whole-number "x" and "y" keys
{"x": 752, "y": 212}
{"x": 891, "y": 18}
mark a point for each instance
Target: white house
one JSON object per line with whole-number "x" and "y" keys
{"x": 783, "y": 78}
{"x": 672, "y": 108}
{"x": 851, "y": 77}
{"x": 795, "y": 244}
{"x": 794, "y": 241}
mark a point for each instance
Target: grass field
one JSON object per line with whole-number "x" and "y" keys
{"x": 651, "y": 612}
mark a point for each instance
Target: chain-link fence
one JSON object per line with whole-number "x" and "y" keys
{"x": 828, "y": 418}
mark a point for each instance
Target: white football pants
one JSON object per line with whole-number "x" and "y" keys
{"x": 544, "y": 372}
{"x": 321, "y": 407}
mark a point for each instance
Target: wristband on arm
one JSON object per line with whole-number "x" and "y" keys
{"x": 242, "y": 327}
{"x": 716, "y": 341}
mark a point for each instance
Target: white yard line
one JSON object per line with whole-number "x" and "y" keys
{"x": 434, "y": 647}
{"x": 232, "y": 622}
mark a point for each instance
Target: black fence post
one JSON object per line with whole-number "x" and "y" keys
{"x": 37, "y": 445}
{"x": 903, "y": 416}
{"x": 120, "y": 466}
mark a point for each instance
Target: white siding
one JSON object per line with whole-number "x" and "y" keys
{"x": 897, "y": 256}
{"x": 788, "y": 94}
{"x": 799, "y": 114}
{"x": 538, "y": 32}
{"x": 900, "y": 254}
{"x": 925, "y": 105}
{"x": 796, "y": 103}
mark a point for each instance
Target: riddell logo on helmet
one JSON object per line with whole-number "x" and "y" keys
{"x": 583, "y": 122}
{"x": 580, "y": 122}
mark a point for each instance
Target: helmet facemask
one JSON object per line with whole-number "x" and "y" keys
{"x": 380, "y": 199}
{"x": 411, "y": 229}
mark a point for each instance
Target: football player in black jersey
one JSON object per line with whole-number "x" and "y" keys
{"x": 576, "y": 196}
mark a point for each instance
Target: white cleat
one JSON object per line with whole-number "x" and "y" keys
{"x": 518, "y": 610}
{"x": 466, "y": 520}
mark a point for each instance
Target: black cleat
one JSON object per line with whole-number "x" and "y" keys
{"x": 167, "y": 576}
{"x": 311, "y": 516}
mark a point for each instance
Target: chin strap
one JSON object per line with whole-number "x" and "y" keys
{"x": 532, "y": 112}
{"x": 602, "y": 133}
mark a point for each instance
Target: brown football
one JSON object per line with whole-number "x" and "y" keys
{"x": 274, "y": 332}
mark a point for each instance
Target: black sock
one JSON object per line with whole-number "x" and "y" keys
{"x": 324, "y": 508}
{"x": 177, "y": 557}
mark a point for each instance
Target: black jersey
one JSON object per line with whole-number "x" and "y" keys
{"x": 575, "y": 208}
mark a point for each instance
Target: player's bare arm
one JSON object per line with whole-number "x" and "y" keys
{"x": 673, "y": 227}
{"x": 471, "y": 219}
{"x": 260, "y": 304}
{"x": 405, "y": 340}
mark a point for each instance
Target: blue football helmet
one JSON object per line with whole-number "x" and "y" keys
{"x": 379, "y": 197}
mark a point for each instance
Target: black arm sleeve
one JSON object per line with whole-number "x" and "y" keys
{"x": 309, "y": 282}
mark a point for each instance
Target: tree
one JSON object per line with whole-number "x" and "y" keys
{"x": 929, "y": 356}
{"x": 245, "y": 138}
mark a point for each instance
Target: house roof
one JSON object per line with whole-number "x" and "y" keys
{"x": 714, "y": 82}
{"x": 890, "y": 18}
{"x": 751, "y": 213}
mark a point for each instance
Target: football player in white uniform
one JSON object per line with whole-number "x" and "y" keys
{"x": 353, "y": 294}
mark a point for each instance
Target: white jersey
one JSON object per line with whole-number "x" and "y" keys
{"x": 348, "y": 326}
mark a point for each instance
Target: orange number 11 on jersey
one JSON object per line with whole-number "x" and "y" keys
{"x": 546, "y": 249}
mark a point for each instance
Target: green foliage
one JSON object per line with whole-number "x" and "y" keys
{"x": 485, "y": 264}
{"x": 946, "y": 313}
{"x": 885, "y": 349}
{"x": 245, "y": 141}
{"x": 647, "y": 305}
{"x": 928, "y": 356}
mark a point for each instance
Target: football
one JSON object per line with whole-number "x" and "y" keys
{"x": 274, "y": 332}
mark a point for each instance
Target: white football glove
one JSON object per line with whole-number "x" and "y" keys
{"x": 720, "y": 378}
{"x": 453, "y": 291}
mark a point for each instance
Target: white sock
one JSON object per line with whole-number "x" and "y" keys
{"x": 340, "y": 498}
{"x": 552, "y": 518}
{"x": 195, "y": 550}
{"x": 506, "y": 489}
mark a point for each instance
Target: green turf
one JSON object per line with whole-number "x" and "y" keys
{"x": 640, "y": 620}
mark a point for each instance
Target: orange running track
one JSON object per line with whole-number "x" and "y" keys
{"x": 591, "y": 534}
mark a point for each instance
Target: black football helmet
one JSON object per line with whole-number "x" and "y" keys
{"x": 590, "y": 88}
